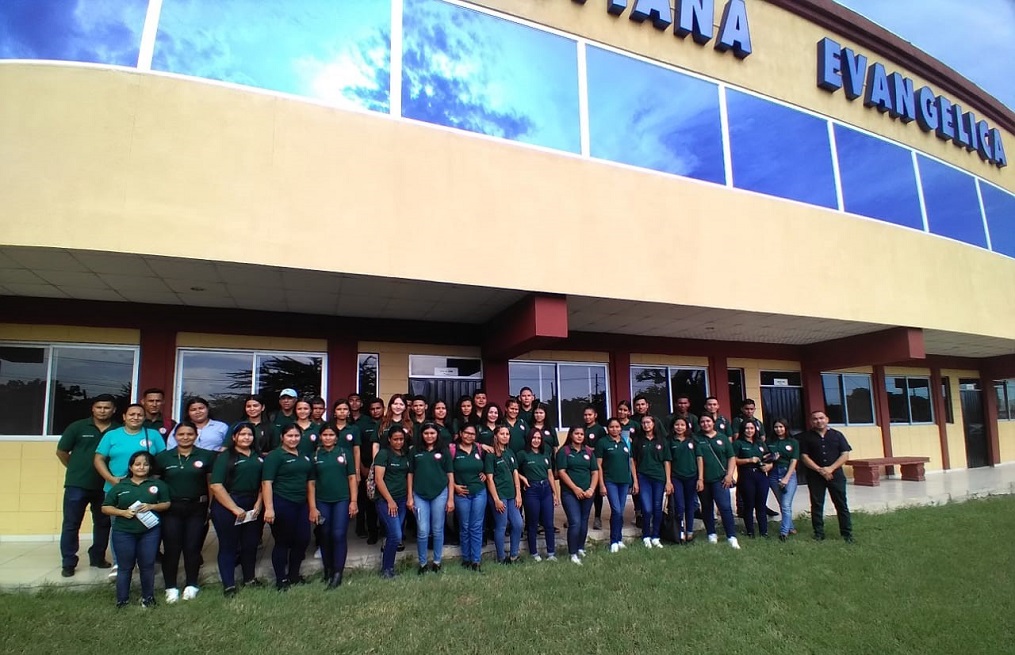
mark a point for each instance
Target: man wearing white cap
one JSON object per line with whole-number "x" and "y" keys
{"x": 286, "y": 414}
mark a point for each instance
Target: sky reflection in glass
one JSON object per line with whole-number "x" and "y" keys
{"x": 878, "y": 179}
{"x": 953, "y": 209}
{"x": 1000, "y": 209}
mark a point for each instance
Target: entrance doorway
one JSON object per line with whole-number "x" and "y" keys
{"x": 782, "y": 397}
{"x": 972, "y": 421}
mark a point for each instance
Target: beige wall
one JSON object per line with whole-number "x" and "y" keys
{"x": 648, "y": 359}
{"x": 918, "y": 441}
{"x": 1006, "y": 440}
{"x": 69, "y": 334}
{"x": 31, "y": 489}
{"x": 752, "y": 379}
{"x": 241, "y": 342}
{"x": 956, "y": 430}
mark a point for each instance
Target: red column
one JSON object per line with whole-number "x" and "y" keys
{"x": 495, "y": 380}
{"x": 814, "y": 392}
{"x": 157, "y": 360}
{"x": 990, "y": 416}
{"x": 719, "y": 382}
{"x": 940, "y": 415}
{"x": 343, "y": 367}
{"x": 620, "y": 379}
{"x": 884, "y": 418}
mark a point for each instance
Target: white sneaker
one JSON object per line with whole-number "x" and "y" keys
{"x": 537, "y": 558}
{"x": 657, "y": 543}
{"x": 581, "y": 552}
{"x": 713, "y": 539}
{"x": 317, "y": 554}
{"x": 576, "y": 560}
{"x": 734, "y": 543}
{"x": 172, "y": 595}
{"x": 614, "y": 548}
{"x": 112, "y": 572}
{"x": 190, "y": 593}
{"x": 647, "y": 541}
{"x": 622, "y": 545}
{"x": 551, "y": 558}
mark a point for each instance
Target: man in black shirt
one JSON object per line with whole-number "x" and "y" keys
{"x": 823, "y": 451}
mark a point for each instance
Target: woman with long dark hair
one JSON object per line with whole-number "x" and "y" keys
{"x": 653, "y": 469}
{"x": 211, "y": 434}
{"x": 335, "y": 494}
{"x": 718, "y": 460}
{"x": 286, "y": 492}
{"x": 391, "y": 475}
{"x": 539, "y": 493}
{"x": 782, "y": 477}
{"x": 687, "y": 471}
{"x": 470, "y": 495}
{"x": 504, "y": 491}
{"x": 617, "y": 476}
{"x": 752, "y": 478}
{"x": 236, "y": 486}
{"x": 431, "y": 486}
{"x": 579, "y": 477}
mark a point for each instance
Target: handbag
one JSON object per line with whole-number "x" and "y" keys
{"x": 371, "y": 485}
{"x": 719, "y": 462}
{"x": 669, "y": 529}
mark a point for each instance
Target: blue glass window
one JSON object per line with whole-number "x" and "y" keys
{"x": 780, "y": 151}
{"x": 94, "y": 31}
{"x": 338, "y": 52}
{"x": 476, "y": 72}
{"x": 1000, "y": 209}
{"x": 953, "y": 208}
{"x": 649, "y": 116}
{"x": 878, "y": 179}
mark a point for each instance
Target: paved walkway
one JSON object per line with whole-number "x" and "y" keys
{"x": 35, "y": 564}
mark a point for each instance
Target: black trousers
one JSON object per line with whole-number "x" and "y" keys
{"x": 836, "y": 488}
{"x": 184, "y": 528}
{"x": 366, "y": 519}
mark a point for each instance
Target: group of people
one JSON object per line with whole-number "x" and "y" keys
{"x": 497, "y": 471}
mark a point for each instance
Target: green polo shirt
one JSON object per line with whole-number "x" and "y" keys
{"x": 594, "y": 434}
{"x": 310, "y": 440}
{"x": 519, "y": 435}
{"x": 280, "y": 420}
{"x": 396, "y": 472}
{"x": 161, "y": 425}
{"x": 649, "y": 457}
{"x": 368, "y": 437}
{"x": 288, "y": 474}
{"x": 444, "y": 436}
{"x": 535, "y": 467}
{"x": 467, "y": 467}
{"x": 349, "y": 437}
{"x": 692, "y": 422}
{"x": 332, "y": 469}
{"x": 715, "y": 454}
{"x": 484, "y": 435}
{"x": 80, "y": 439}
{"x": 502, "y": 468}
{"x": 527, "y": 415}
{"x": 187, "y": 476}
{"x": 430, "y": 470}
{"x": 125, "y": 493}
{"x": 745, "y": 449}
{"x": 239, "y": 474}
{"x": 684, "y": 454}
{"x": 788, "y": 449}
{"x": 723, "y": 425}
{"x": 738, "y": 421}
{"x": 616, "y": 460}
{"x": 579, "y": 466}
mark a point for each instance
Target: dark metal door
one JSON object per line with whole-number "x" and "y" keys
{"x": 972, "y": 420}
{"x": 783, "y": 402}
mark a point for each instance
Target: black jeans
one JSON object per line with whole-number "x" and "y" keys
{"x": 366, "y": 519}
{"x": 235, "y": 539}
{"x": 75, "y": 501}
{"x": 183, "y": 531}
{"x": 836, "y": 487}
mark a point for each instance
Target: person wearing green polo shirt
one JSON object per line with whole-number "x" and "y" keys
{"x": 431, "y": 485}
{"x": 236, "y": 486}
{"x": 783, "y": 476}
{"x": 153, "y": 400}
{"x": 504, "y": 494}
{"x": 464, "y": 415}
{"x": 286, "y": 413}
{"x": 265, "y": 436}
{"x": 688, "y": 471}
{"x": 579, "y": 477}
{"x": 318, "y": 411}
{"x": 285, "y": 491}
{"x": 682, "y": 404}
{"x": 470, "y": 495}
{"x": 747, "y": 409}
{"x": 309, "y": 431}
{"x": 526, "y": 405}
{"x": 594, "y": 433}
{"x": 417, "y": 414}
{"x": 366, "y": 521}
{"x": 754, "y": 463}
{"x": 719, "y": 461}
{"x": 83, "y": 485}
{"x": 440, "y": 420}
{"x": 185, "y": 470}
{"x": 135, "y": 499}
{"x": 617, "y": 476}
{"x": 349, "y": 436}
{"x": 550, "y": 441}
{"x": 652, "y": 467}
{"x": 391, "y": 475}
{"x": 519, "y": 429}
{"x": 491, "y": 418}
{"x": 336, "y": 494}
{"x": 720, "y": 423}
{"x": 540, "y": 493}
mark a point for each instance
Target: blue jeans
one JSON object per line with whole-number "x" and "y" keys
{"x": 335, "y": 545}
{"x": 500, "y": 520}
{"x": 616, "y": 495}
{"x": 715, "y": 493}
{"x": 393, "y": 531}
{"x": 684, "y": 497}
{"x": 139, "y": 549}
{"x": 538, "y": 501}
{"x": 471, "y": 511}
{"x": 75, "y": 501}
{"x": 577, "y": 512}
{"x": 785, "y": 499}
{"x": 291, "y": 531}
{"x": 235, "y": 539}
{"x": 651, "y": 492}
{"x": 753, "y": 484}
{"x": 430, "y": 521}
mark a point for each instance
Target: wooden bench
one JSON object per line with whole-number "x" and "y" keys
{"x": 867, "y": 472}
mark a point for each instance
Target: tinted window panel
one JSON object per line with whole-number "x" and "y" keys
{"x": 277, "y": 372}
{"x": 338, "y": 52}
{"x": 953, "y": 208}
{"x": 476, "y": 72}
{"x": 919, "y": 400}
{"x": 542, "y": 379}
{"x": 898, "y": 404}
{"x": 80, "y": 374}
{"x": 223, "y": 379}
{"x": 833, "y": 398}
{"x": 1000, "y": 208}
{"x": 859, "y": 400}
{"x": 581, "y": 385}
{"x": 690, "y": 382}
{"x": 653, "y": 383}
{"x": 878, "y": 179}
{"x": 780, "y": 151}
{"x": 367, "y": 381}
{"x": 23, "y": 373}
{"x": 631, "y": 122}
{"x": 95, "y": 31}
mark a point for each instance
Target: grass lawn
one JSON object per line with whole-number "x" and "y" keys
{"x": 925, "y": 580}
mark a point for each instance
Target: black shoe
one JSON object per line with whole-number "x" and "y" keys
{"x": 818, "y": 537}
{"x": 422, "y": 570}
{"x": 597, "y": 524}
{"x": 848, "y": 538}
{"x": 372, "y": 539}
{"x": 335, "y": 580}
{"x": 771, "y": 512}
{"x": 388, "y": 574}
{"x": 749, "y": 535}
{"x": 148, "y": 602}
{"x": 229, "y": 592}
{"x": 435, "y": 567}
{"x": 328, "y": 573}
{"x": 253, "y": 582}
{"x": 67, "y": 571}
{"x": 299, "y": 580}
{"x": 475, "y": 566}
{"x": 401, "y": 548}
{"x": 282, "y": 585}
{"x": 556, "y": 530}
{"x": 637, "y": 521}
{"x": 122, "y": 604}
{"x": 782, "y": 537}
{"x": 100, "y": 564}
{"x": 504, "y": 562}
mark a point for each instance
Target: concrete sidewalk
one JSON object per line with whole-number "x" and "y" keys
{"x": 34, "y": 564}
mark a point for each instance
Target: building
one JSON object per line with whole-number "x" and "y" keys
{"x": 593, "y": 199}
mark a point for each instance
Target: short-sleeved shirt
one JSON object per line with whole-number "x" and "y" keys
{"x": 684, "y": 454}
{"x": 332, "y": 469}
{"x": 430, "y": 470}
{"x": 310, "y": 439}
{"x": 396, "y": 472}
{"x": 627, "y": 432}
{"x": 213, "y": 436}
{"x": 288, "y": 474}
{"x": 368, "y": 437}
{"x": 740, "y": 420}
{"x": 467, "y": 467}
{"x": 535, "y": 467}
{"x": 692, "y": 422}
{"x": 650, "y": 457}
{"x": 125, "y": 493}
{"x": 723, "y": 425}
{"x": 579, "y": 464}
{"x": 660, "y": 429}
{"x": 616, "y": 459}
{"x": 787, "y": 449}
{"x": 266, "y": 437}
{"x": 824, "y": 450}
{"x": 118, "y": 445}
{"x": 349, "y": 438}
{"x": 519, "y": 434}
{"x": 484, "y": 434}
{"x": 502, "y": 468}
{"x": 715, "y": 454}
{"x": 527, "y": 415}
{"x": 744, "y": 449}
{"x": 594, "y": 434}
{"x": 280, "y": 420}
{"x": 80, "y": 439}
{"x": 186, "y": 476}
{"x": 161, "y": 424}
{"x": 240, "y": 474}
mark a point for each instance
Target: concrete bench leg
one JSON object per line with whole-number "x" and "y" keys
{"x": 867, "y": 476}
{"x": 913, "y": 472}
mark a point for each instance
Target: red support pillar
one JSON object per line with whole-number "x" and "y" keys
{"x": 719, "y": 382}
{"x": 940, "y": 415}
{"x": 343, "y": 368}
{"x": 620, "y": 379}
{"x": 156, "y": 363}
{"x": 884, "y": 418}
{"x": 814, "y": 392}
{"x": 496, "y": 380}
{"x": 990, "y": 416}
